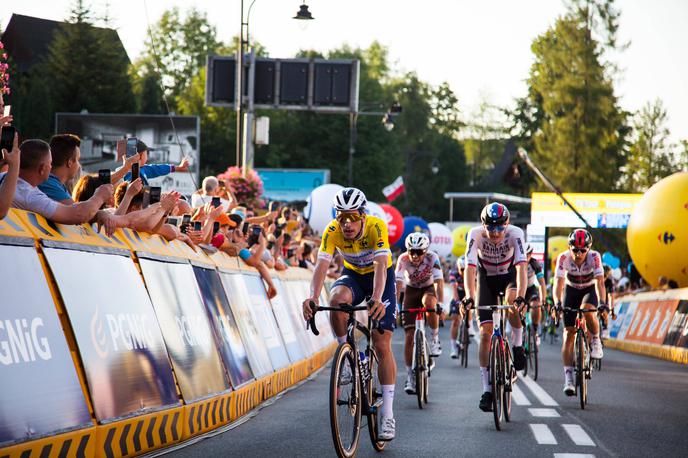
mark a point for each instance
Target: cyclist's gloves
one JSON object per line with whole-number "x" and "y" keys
{"x": 519, "y": 301}
{"x": 603, "y": 307}
{"x": 467, "y": 302}
{"x": 558, "y": 307}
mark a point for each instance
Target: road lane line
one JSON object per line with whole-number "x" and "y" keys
{"x": 573, "y": 455}
{"x": 545, "y": 413}
{"x": 542, "y": 434}
{"x": 518, "y": 396}
{"x": 539, "y": 393}
{"x": 578, "y": 435}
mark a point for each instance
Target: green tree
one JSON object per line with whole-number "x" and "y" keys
{"x": 82, "y": 53}
{"x": 650, "y": 157}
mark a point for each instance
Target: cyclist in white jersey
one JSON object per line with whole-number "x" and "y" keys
{"x": 537, "y": 290}
{"x": 420, "y": 271}
{"x": 496, "y": 253}
{"x": 580, "y": 269}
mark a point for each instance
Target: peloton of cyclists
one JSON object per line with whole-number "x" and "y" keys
{"x": 496, "y": 254}
{"x": 420, "y": 271}
{"x": 579, "y": 282}
{"x": 363, "y": 243}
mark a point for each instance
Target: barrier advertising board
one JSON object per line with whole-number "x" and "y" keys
{"x": 32, "y": 345}
{"x": 294, "y": 337}
{"x": 678, "y": 330}
{"x": 239, "y": 303}
{"x": 292, "y": 294}
{"x": 185, "y": 327}
{"x": 119, "y": 339}
{"x": 651, "y": 321}
{"x": 620, "y": 326}
{"x": 226, "y": 330}
{"x": 262, "y": 315}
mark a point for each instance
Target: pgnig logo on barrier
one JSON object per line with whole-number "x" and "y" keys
{"x": 121, "y": 331}
{"x": 21, "y": 341}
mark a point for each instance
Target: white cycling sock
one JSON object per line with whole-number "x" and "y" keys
{"x": 455, "y": 345}
{"x": 568, "y": 373}
{"x": 409, "y": 371}
{"x": 341, "y": 340}
{"x": 516, "y": 337}
{"x": 436, "y": 334}
{"x": 595, "y": 337}
{"x": 387, "y": 401}
{"x": 485, "y": 377}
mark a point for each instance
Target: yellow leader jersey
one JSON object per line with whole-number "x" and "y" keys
{"x": 357, "y": 254}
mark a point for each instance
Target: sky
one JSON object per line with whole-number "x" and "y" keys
{"x": 480, "y": 47}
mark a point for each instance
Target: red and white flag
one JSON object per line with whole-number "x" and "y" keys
{"x": 394, "y": 190}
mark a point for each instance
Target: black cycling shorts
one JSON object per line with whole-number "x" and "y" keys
{"x": 533, "y": 293}
{"x": 489, "y": 288}
{"x": 574, "y": 298}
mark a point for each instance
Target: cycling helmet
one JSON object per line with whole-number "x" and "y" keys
{"x": 580, "y": 238}
{"x": 494, "y": 214}
{"x": 461, "y": 262}
{"x": 417, "y": 241}
{"x": 529, "y": 248}
{"x": 349, "y": 199}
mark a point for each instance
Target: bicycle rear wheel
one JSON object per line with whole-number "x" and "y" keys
{"x": 581, "y": 379}
{"x": 345, "y": 402}
{"x": 374, "y": 401}
{"x": 526, "y": 348}
{"x": 509, "y": 377}
{"x": 497, "y": 381}
{"x": 421, "y": 367}
{"x": 465, "y": 341}
{"x": 533, "y": 358}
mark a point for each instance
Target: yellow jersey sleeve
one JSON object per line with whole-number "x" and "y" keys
{"x": 329, "y": 240}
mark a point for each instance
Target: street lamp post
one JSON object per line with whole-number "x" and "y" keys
{"x": 387, "y": 121}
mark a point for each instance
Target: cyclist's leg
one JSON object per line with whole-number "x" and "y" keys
{"x": 429, "y": 300}
{"x": 572, "y": 299}
{"x": 590, "y": 303}
{"x": 346, "y": 290}
{"x": 487, "y": 295}
{"x": 412, "y": 299}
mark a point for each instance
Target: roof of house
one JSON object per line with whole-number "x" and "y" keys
{"x": 27, "y": 39}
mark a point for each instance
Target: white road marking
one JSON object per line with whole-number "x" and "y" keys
{"x": 573, "y": 455}
{"x": 542, "y": 434}
{"x": 578, "y": 435}
{"x": 539, "y": 393}
{"x": 518, "y": 396}
{"x": 546, "y": 413}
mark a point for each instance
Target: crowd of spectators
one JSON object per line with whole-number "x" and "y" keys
{"x": 46, "y": 178}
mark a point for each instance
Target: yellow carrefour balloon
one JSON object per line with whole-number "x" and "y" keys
{"x": 556, "y": 245}
{"x": 459, "y": 237}
{"x": 657, "y": 235}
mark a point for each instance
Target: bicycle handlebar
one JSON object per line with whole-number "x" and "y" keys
{"x": 343, "y": 308}
{"x": 419, "y": 310}
{"x": 495, "y": 307}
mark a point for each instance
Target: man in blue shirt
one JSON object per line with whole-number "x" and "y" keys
{"x": 150, "y": 171}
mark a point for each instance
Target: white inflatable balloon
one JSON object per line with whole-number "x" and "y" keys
{"x": 441, "y": 240}
{"x": 374, "y": 209}
{"x": 617, "y": 274}
{"x": 318, "y": 210}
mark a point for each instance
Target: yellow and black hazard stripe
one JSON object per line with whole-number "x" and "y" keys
{"x": 300, "y": 371}
{"x": 246, "y": 398}
{"x": 78, "y": 444}
{"x": 205, "y": 415}
{"x": 137, "y": 435}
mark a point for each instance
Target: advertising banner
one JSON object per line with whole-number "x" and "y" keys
{"x": 262, "y": 315}
{"x": 322, "y": 319}
{"x": 288, "y": 185}
{"x": 599, "y": 210}
{"x": 239, "y": 302}
{"x": 678, "y": 330}
{"x": 280, "y": 309}
{"x": 226, "y": 330}
{"x": 186, "y": 329}
{"x": 119, "y": 339}
{"x": 652, "y": 320}
{"x": 620, "y": 326}
{"x": 40, "y": 391}
{"x": 292, "y": 294}
{"x": 292, "y": 312}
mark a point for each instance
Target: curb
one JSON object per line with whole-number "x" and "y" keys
{"x": 665, "y": 352}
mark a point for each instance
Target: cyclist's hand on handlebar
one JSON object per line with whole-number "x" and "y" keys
{"x": 603, "y": 308}
{"x": 519, "y": 302}
{"x": 376, "y": 309}
{"x": 307, "y": 310}
{"x": 558, "y": 307}
{"x": 467, "y": 303}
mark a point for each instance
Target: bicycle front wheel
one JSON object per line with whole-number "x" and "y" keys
{"x": 465, "y": 341}
{"x": 345, "y": 402}
{"x": 533, "y": 355}
{"x": 375, "y": 402}
{"x": 581, "y": 379}
{"x": 497, "y": 381}
{"x": 421, "y": 368}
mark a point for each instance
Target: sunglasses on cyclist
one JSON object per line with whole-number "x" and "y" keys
{"x": 344, "y": 218}
{"x": 495, "y": 228}
{"x": 416, "y": 252}
{"x": 579, "y": 250}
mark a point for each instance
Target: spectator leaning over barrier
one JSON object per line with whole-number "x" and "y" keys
{"x": 212, "y": 187}
{"x": 8, "y": 181}
{"x": 148, "y": 172}
{"x": 34, "y": 170}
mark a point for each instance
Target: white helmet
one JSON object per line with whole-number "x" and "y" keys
{"x": 461, "y": 262}
{"x": 417, "y": 241}
{"x": 349, "y": 199}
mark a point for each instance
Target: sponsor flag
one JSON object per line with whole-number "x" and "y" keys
{"x": 394, "y": 190}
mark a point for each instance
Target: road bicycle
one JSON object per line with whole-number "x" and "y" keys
{"x": 502, "y": 371}
{"x": 582, "y": 359}
{"x": 464, "y": 337}
{"x": 354, "y": 385}
{"x": 422, "y": 363}
{"x": 530, "y": 345}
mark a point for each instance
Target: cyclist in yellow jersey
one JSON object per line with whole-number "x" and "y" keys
{"x": 368, "y": 274}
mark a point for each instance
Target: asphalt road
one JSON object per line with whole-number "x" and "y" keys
{"x": 637, "y": 407}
